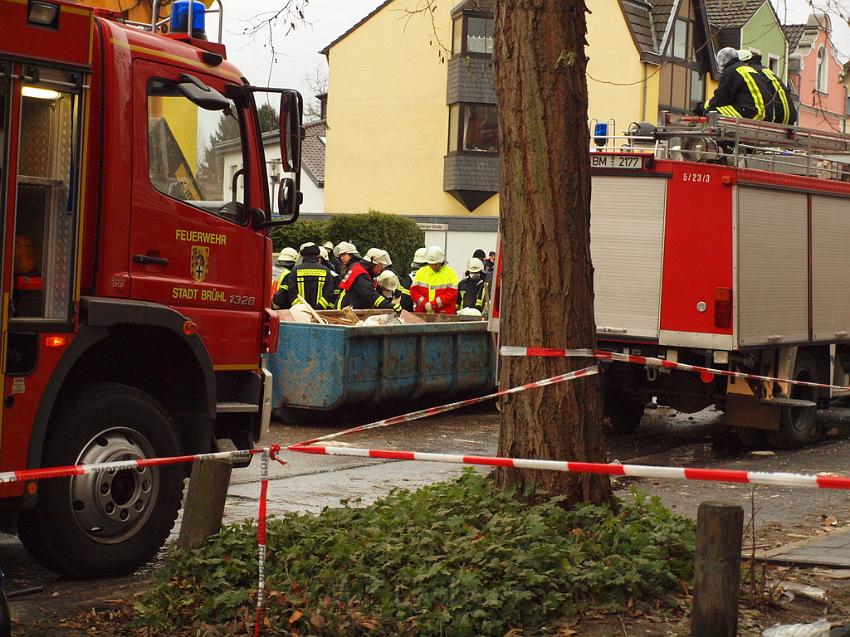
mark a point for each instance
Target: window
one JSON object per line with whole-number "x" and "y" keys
{"x": 479, "y": 35}
{"x": 822, "y": 71}
{"x": 773, "y": 63}
{"x": 457, "y": 35}
{"x": 473, "y": 128}
{"x": 680, "y": 39}
{"x": 187, "y": 146}
{"x": 697, "y": 88}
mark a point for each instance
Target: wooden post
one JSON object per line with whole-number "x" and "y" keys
{"x": 717, "y": 571}
{"x": 204, "y": 506}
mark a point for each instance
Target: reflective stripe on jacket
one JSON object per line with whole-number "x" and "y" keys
{"x": 472, "y": 293}
{"x": 742, "y": 92}
{"x": 437, "y": 288}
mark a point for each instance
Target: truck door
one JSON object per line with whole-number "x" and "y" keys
{"x": 192, "y": 245}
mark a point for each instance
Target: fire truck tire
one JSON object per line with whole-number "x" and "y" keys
{"x": 111, "y": 523}
{"x": 623, "y": 412}
{"x": 798, "y": 426}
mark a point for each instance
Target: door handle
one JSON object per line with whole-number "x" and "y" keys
{"x": 146, "y": 260}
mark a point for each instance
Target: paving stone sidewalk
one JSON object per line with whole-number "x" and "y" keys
{"x": 824, "y": 550}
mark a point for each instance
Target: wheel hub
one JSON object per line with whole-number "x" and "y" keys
{"x": 110, "y": 506}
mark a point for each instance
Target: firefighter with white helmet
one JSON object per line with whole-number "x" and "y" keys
{"x": 357, "y": 288}
{"x": 418, "y": 262}
{"x": 308, "y": 282}
{"x": 286, "y": 260}
{"x": 472, "y": 291}
{"x": 344, "y": 251}
{"x": 434, "y": 288}
{"x": 328, "y": 257}
{"x": 389, "y": 286}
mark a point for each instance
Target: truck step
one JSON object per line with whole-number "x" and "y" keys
{"x": 236, "y": 408}
{"x": 787, "y": 402}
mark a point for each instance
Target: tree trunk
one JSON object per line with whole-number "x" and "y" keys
{"x": 547, "y": 281}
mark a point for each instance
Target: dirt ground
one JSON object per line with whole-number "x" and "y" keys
{"x": 63, "y": 607}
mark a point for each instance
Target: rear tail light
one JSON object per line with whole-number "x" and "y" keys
{"x": 723, "y": 307}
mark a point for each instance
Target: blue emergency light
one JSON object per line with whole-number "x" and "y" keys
{"x": 180, "y": 17}
{"x": 600, "y": 133}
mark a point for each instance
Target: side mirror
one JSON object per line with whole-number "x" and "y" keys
{"x": 291, "y": 131}
{"x": 202, "y": 95}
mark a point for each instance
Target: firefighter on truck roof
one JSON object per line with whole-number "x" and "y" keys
{"x": 743, "y": 91}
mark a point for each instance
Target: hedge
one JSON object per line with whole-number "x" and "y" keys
{"x": 398, "y": 235}
{"x": 294, "y": 234}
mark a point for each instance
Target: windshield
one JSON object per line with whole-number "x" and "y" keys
{"x": 196, "y": 155}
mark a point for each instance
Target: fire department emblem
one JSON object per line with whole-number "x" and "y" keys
{"x": 200, "y": 265}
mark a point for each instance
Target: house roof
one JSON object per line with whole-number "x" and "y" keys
{"x": 793, "y": 33}
{"x": 638, "y": 14}
{"x": 313, "y": 151}
{"x": 481, "y": 6}
{"x": 355, "y": 26}
{"x": 661, "y": 11}
{"x": 731, "y": 13}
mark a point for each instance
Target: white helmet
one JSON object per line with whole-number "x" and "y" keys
{"x": 387, "y": 280}
{"x": 475, "y": 265}
{"x": 328, "y": 245}
{"x": 744, "y": 55}
{"x": 469, "y": 311}
{"x": 344, "y": 247}
{"x": 376, "y": 255}
{"x": 434, "y": 254}
{"x": 323, "y": 253}
{"x": 287, "y": 254}
{"x": 419, "y": 257}
{"x": 724, "y": 56}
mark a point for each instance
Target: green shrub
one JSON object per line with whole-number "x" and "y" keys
{"x": 294, "y": 234}
{"x": 453, "y": 558}
{"x": 397, "y": 235}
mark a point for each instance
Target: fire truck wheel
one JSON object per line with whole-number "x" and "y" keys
{"x": 623, "y": 412}
{"x": 111, "y": 522}
{"x": 798, "y": 425}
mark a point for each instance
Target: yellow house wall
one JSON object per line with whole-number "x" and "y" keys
{"x": 387, "y": 114}
{"x": 615, "y": 73}
{"x": 388, "y": 119}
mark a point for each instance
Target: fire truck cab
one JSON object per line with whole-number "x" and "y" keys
{"x": 722, "y": 243}
{"x": 134, "y": 271}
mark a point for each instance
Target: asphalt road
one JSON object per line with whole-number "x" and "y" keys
{"x": 310, "y": 482}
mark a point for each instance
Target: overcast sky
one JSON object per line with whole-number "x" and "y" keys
{"x": 297, "y": 53}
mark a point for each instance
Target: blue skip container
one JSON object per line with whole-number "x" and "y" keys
{"x": 327, "y": 366}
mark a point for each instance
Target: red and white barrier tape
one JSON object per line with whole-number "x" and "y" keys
{"x": 433, "y": 411}
{"x": 652, "y": 362}
{"x": 24, "y": 475}
{"x": 830, "y": 481}
{"x": 261, "y": 541}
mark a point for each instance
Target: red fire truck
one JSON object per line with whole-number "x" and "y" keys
{"x": 722, "y": 243}
{"x": 134, "y": 269}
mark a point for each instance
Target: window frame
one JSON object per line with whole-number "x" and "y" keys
{"x": 773, "y": 58}
{"x": 232, "y": 92}
{"x": 464, "y": 19}
{"x": 458, "y": 136}
{"x": 821, "y": 71}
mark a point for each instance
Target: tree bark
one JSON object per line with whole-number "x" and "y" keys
{"x": 547, "y": 280}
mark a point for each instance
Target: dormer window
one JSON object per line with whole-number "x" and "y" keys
{"x": 472, "y": 35}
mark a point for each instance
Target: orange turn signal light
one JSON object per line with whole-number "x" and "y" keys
{"x": 190, "y": 328}
{"x": 55, "y": 341}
